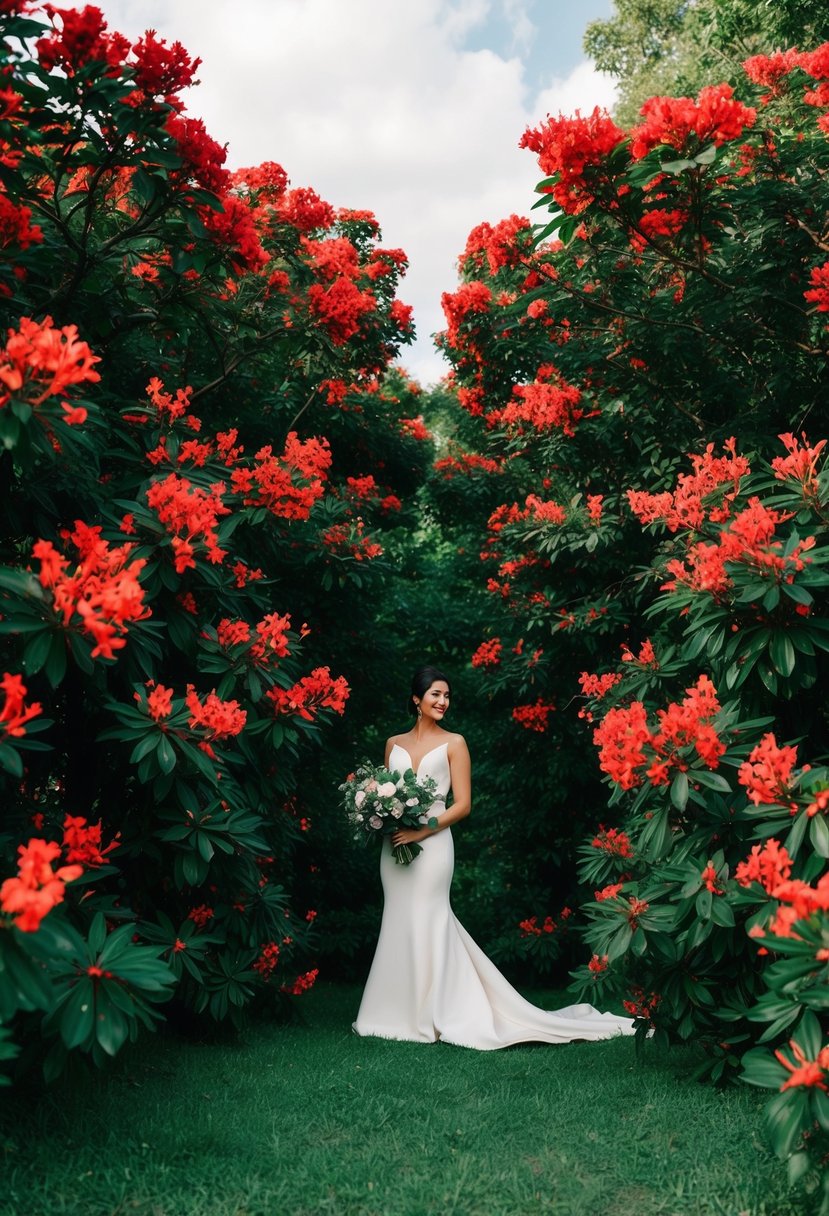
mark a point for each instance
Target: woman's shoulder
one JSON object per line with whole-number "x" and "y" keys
{"x": 455, "y": 740}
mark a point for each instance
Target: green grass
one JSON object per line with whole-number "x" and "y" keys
{"x": 308, "y": 1119}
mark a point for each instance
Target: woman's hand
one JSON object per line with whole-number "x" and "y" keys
{"x": 409, "y": 836}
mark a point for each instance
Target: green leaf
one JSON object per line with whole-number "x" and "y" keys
{"x": 782, "y": 653}
{"x": 679, "y": 791}
{"x": 819, "y": 835}
{"x": 165, "y": 754}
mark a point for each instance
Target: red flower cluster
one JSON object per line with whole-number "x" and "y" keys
{"x": 801, "y": 463}
{"x": 612, "y": 841}
{"x": 597, "y": 964}
{"x": 642, "y": 1005}
{"x": 41, "y": 361}
{"x": 534, "y": 717}
{"x": 311, "y": 694}
{"x": 161, "y": 70}
{"x": 546, "y": 404}
{"x": 290, "y": 484}
{"x": 82, "y": 841}
{"x": 818, "y": 293}
{"x": 200, "y": 915}
{"x": 710, "y": 879}
{"x": 574, "y": 149}
{"x": 415, "y": 428}
{"x": 190, "y": 514}
{"x": 769, "y": 864}
{"x": 531, "y": 928}
{"x": 609, "y": 892}
{"x": 102, "y": 596}
{"x": 466, "y": 462}
{"x": 658, "y": 223}
{"x": 598, "y": 686}
{"x": 220, "y": 719}
{"x": 14, "y": 714}
{"x": 349, "y": 540}
{"x": 687, "y": 506}
{"x": 645, "y": 658}
{"x": 302, "y": 983}
{"x": 812, "y": 1074}
{"x": 37, "y": 888}
{"x": 488, "y": 653}
{"x": 267, "y": 961}
{"x": 16, "y": 227}
{"x": 767, "y": 772}
{"x": 81, "y": 40}
{"x": 271, "y": 642}
{"x": 627, "y": 743}
{"x": 748, "y": 539}
{"x": 687, "y": 125}
{"x": 505, "y": 244}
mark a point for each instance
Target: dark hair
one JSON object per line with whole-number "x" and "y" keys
{"x": 422, "y": 681}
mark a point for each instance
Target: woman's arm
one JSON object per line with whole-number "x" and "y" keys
{"x": 460, "y": 766}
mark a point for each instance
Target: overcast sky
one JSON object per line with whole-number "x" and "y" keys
{"x": 410, "y": 108}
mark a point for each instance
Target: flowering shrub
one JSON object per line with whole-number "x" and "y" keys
{"x": 672, "y": 607}
{"x": 191, "y": 360}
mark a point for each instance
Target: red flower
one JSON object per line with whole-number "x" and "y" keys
{"x": 41, "y": 361}
{"x": 311, "y": 694}
{"x": 811, "y": 1074}
{"x": 767, "y": 771}
{"x": 14, "y": 714}
{"x": 220, "y": 719}
{"x": 82, "y": 841}
{"x": 160, "y": 702}
{"x": 488, "y": 654}
{"x": 200, "y": 915}
{"x": 302, "y": 983}
{"x": 37, "y": 889}
{"x": 682, "y": 123}
{"x": 818, "y": 293}
{"x": 612, "y": 841}
{"x": 102, "y": 597}
{"x": 768, "y": 864}
{"x": 534, "y": 717}
{"x": 82, "y": 40}
{"x": 574, "y": 149}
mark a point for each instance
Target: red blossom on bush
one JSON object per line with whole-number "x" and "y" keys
{"x": 302, "y": 983}
{"x": 81, "y": 40}
{"x": 82, "y": 841}
{"x": 488, "y": 653}
{"x": 801, "y": 464}
{"x": 41, "y": 361}
{"x": 14, "y": 713}
{"x": 219, "y": 719}
{"x": 687, "y": 125}
{"x": 767, "y": 771}
{"x": 535, "y": 716}
{"x": 37, "y": 888}
{"x": 189, "y": 514}
{"x": 574, "y": 148}
{"x": 102, "y": 596}
{"x": 308, "y": 696}
{"x": 549, "y": 403}
{"x": 612, "y": 841}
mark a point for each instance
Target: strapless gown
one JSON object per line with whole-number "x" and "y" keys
{"x": 429, "y": 980}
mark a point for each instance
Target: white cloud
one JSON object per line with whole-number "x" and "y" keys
{"x": 375, "y": 104}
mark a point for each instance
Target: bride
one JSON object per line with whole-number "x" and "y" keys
{"x": 429, "y": 980}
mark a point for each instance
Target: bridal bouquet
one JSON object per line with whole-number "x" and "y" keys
{"x": 378, "y": 802}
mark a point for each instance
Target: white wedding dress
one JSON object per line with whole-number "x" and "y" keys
{"x": 429, "y": 980}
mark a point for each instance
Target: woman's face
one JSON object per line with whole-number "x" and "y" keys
{"x": 435, "y": 701}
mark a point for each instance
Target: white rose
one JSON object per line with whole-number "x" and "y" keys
{"x": 397, "y": 811}
{"x": 411, "y": 801}
{"x": 386, "y": 790}
{"x": 376, "y": 821}
{"x": 359, "y": 797}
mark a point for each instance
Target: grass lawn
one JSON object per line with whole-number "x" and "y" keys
{"x": 307, "y": 1119}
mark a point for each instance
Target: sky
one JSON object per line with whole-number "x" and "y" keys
{"x": 412, "y": 109}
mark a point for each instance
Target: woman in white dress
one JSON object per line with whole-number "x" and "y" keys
{"x": 429, "y": 981}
